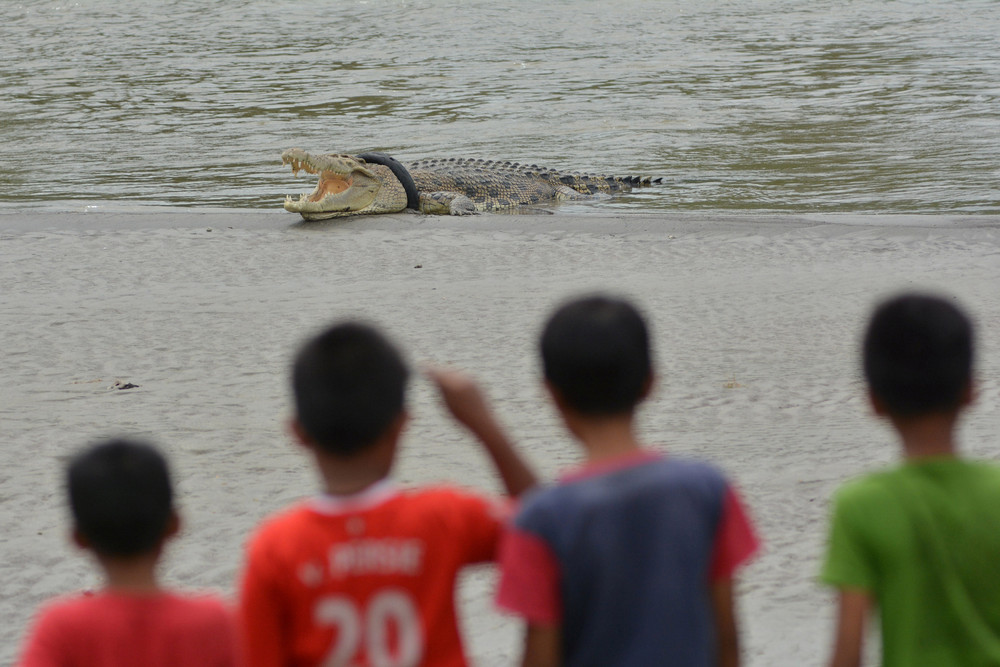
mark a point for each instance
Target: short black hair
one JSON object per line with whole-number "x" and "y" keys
{"x": 918, "y": 354}
{"x": 596, "y": 353}
{"x": 349, "y": 384}
{"x": 121, "y": 497}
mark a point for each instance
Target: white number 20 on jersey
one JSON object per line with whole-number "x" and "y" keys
{"x": 372, "y": 626}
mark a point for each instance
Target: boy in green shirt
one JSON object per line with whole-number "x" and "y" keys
{"x": 921, "y": 541}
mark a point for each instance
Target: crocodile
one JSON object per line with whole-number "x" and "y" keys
{"x": 371, "y": 183}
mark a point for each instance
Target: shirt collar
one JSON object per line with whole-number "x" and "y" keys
{"x": 373, "y": 495}
{"x": 613, "y": 464}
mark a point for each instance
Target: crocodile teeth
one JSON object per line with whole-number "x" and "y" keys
{"x": 298, "y": 165}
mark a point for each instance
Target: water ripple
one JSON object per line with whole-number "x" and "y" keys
{"x": 765, "y": 105}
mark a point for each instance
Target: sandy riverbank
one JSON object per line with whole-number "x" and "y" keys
{"x": 755, "y": 322}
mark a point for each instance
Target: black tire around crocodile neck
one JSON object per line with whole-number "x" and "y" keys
{"x": 400, "y": 172}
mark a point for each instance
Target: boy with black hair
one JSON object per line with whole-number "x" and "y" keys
{"x": 629, "y": 560}
{"x": 365, "y": 573}
{"x": 921, "y": 541}
{"x": 122, "y": 505}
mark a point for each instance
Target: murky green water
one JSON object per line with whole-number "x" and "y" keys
{"x": 760, "y": 105}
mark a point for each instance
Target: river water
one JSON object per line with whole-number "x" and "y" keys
{"x": 864, "y": 106}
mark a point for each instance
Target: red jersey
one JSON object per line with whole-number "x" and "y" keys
{"x": 364, "y": 580}
{"x": 118, "y": 630}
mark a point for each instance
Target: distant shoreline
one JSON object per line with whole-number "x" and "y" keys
{"x": 117, "y": 215}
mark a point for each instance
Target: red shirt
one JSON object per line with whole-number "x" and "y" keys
{"x": 121, "y": 630}
{"x": 365, "y": 580}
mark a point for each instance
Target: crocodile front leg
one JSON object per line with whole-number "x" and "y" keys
{"x": 445, "y": 202}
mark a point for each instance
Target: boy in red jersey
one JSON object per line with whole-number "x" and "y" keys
{"x": 365, "y": 573}
{"x": 121, "y": 499}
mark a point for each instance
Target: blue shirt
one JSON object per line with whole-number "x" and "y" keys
{"x": 622, "y": 557}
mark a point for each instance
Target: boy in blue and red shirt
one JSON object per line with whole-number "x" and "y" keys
{"x": 631, "y": 559}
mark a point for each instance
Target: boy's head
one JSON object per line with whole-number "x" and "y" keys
{"x": 349, "y": 384}
{"x": 121, "y": 498}
{"x": 918, "y": 356}
{"x": 596, "y": 356}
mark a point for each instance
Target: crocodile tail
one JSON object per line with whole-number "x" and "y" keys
{"x": 591, "y": 184}
{"x": 644, "y": 181}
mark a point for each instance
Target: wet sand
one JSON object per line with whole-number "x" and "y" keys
{"x": 755, "y": 319}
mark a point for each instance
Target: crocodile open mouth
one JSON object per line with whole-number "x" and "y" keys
{"x": 344, "y": 184}
{"x": 330, "y": 182}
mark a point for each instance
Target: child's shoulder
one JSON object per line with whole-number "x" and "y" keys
{"x": 203, "y": 603}
{"x": 69, "y": 605}
{"x": 449, "y": 518}
{"x": 65, "y": 625}
{"x": 388, "y": 498}
{"x": 451, "y": 502}
{"x": 870, "y": 489}
{"x": 644, "y": 468}
{"x": 84, "y": 607}
{"x": 650, "y": 474}
{"x": 957, "y": 474}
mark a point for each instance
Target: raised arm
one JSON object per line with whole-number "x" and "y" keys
{"x": 468, "y": 406}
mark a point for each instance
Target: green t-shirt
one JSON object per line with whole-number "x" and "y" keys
{"x": 924, "y": 540}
